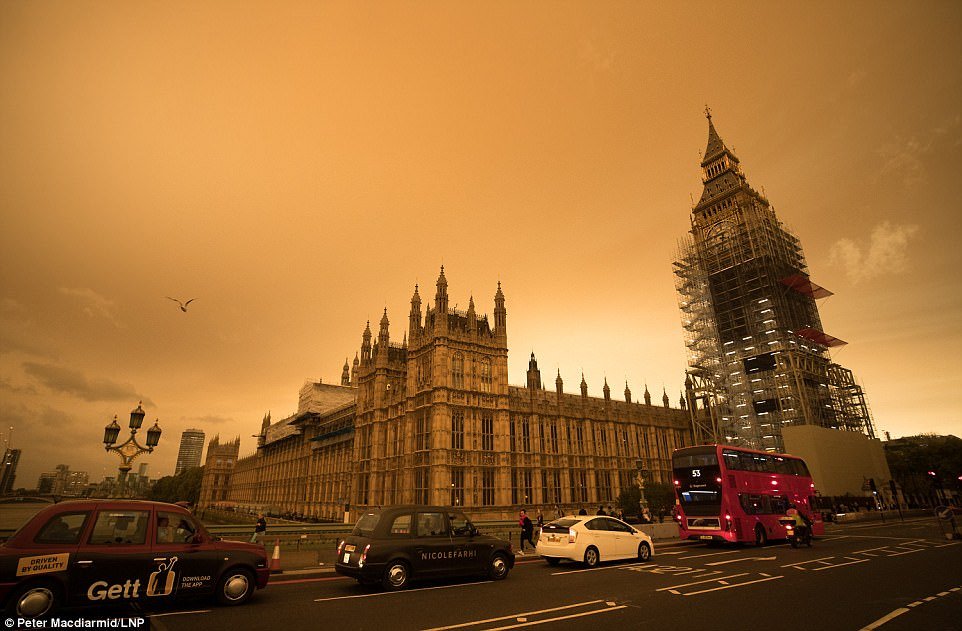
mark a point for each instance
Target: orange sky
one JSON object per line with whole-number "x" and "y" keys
{"x": 297, "y": 167}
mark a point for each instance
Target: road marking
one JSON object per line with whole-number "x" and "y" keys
{"x": 309, "y": 580}
{"x": 948, "y": 544}
{"x": 942, "y": 594}
{"x": 727, "y": 586}
{"x": 898, "y": 554}
{"x": 955, "y": 589}
{"x": 568, "y": 617}
{"x": 515, "y": 615}
{"x": 851, "y": 562}
{"x": 712, "y": 554}
{"x": 700, "y": 582}
{"x": 883, "y": 620}
{"x": 929, "y": 598}
{"x": 673, "y": 552}
{"x": 743, "y": 559}
{"x": 915, "y": 604}
{"x": 797, "y": 563}
{"x": 592, "y": 569}
{"x": 406, "y": 591}
{"x": 177, "y": 613}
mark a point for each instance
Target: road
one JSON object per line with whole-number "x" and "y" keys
{"x": 896, "y": 576}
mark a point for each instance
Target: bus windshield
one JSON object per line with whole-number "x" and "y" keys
{"x": 698, "y": 480}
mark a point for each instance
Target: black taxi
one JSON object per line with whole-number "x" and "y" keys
{"x": 397, "y": 544}
{"x": 98, "y": 552}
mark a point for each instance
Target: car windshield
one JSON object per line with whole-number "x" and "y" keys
{"x": 366, "y": 524}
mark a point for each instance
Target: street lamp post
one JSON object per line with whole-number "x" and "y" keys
{"x": 129, "y": 450}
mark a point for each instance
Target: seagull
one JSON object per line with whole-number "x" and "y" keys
{"x": 183, "y": 305}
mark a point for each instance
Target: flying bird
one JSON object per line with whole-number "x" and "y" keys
{"x": 183, "y": 305}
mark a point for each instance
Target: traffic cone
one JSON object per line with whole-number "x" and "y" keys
{"x": 276, "y": 558}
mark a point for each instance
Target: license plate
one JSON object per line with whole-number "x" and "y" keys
{"x": 347, "y": 557}
{"x": 553, "y": 538}
{"x": 706, "y": 537}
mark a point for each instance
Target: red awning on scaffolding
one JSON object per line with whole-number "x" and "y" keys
{"x": 820, "y": 337}
{"x": 804, "y": 285}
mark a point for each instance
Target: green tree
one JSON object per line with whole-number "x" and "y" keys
{"x": 660, "y": 496}
{"x": 183, "y": 487}
{"x": 629, "y": 500}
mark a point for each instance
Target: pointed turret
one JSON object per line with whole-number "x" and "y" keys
{"x": 534, "y": 375}
{"x": 414, "y": 324}
{"x": 366, "y": 343}
{"x": 441, "y": 297}
{"x": 720, "y": 169}
{"x": 664, "y": 397}
{"x": 584, "y": 385}
{"x": 647, "y": 395}
{"x": 500, "y": 315}
{"x": 682, "y": 403}
{"x": 559, "y": 384}
{"x": 606, "y": 390}
{"x": 354, "y": 367}
{"x": 627, "y": 393}
{"x": 346, "y": 374}
{"x": 472, "y": 317}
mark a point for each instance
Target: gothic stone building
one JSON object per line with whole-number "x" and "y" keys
{"x": 432, "y": 420}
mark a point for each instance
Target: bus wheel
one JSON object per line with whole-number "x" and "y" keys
{"x": 760, "y": 537}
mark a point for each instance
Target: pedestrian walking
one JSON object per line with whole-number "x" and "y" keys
{"x": 527, "y": 529}
{"x": 260, "y": 529}
{"x": 540, "y": 520}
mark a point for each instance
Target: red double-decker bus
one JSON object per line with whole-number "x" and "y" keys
{"x": 725, "y": 493}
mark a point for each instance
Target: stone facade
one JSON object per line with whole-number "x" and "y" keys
{"x": 432, "y": 420}
{"x": 215, "y": 486}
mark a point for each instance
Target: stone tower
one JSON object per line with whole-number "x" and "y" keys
{"x": 758, "y": 355}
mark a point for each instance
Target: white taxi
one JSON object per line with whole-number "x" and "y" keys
{"x": 591, "y": 539}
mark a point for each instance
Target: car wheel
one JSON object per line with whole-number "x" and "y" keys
{"x": 552, "y": 560}
{"x": 591, "y": 556}
{"x": 396, "y": 576}
{"x": 760, "y": 537}
{"x": 498, "y": 568}
{"x": 644, "y": 552}
{"x": 235, "y": 586}
{"x": 36, "y": 600}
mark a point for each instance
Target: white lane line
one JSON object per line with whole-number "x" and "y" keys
{"x": 797, "y": 563}
{"x": 942, "y": 594}
{"x": 898, "y": 554}
{"x": 742, "y": 559}
{"x": 514, "y": 615}
{"x": 883, "y": 620}
{"x": 878, "y": 548}
{"x": 673, "y": 552}
{"x": 712, "y": 554}
{"x": 177, "y": 613}
{"x": 406, "y": 591}
{"x": 700, "y": 582}
{"x": 947, "y": 544}
{"x": 574, "y": 615}
{"x": 593, "y": 569}
{"x": 696, "y": 571}
{"x": 828, "y": 567}
{"x": 915, "y": 604}
{"x": 715, "y": 589}
{"x": 929, "y": 598}
{"x": 955, "y": 589}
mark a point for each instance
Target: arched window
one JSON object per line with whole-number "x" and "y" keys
{"x": 485, "y": 374}
{"x": 457, "y": 370}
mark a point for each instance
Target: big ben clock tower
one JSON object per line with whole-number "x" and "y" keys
{"x": 759, "y": 359}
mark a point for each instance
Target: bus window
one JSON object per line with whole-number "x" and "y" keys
{"x": 783, "y": 465}
{"x": 747, "y": 462}
{"x": 731, "y": 460}
{"x": 764, "y": 464}
{"x": 804, "y": 469}
{"x": 779, "y": 505}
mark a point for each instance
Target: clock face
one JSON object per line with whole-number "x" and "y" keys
{"x": 719, "y": 231}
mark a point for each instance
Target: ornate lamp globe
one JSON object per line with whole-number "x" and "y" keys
{"x": 110, "y": 432}
{"x": 137, "y": 417}
{"x": 153, "y": 435}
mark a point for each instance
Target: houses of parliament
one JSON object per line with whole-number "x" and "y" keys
{"x": 433, "y": 420}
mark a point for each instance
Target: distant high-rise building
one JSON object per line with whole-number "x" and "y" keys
{"x": 8, "y": 470}
{"x": 758, "y": 355}
{"x": 191, "y": 448}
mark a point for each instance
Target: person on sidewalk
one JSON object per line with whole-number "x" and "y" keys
{"x": 260, "y": 529}
{"x": 527, "y": 529}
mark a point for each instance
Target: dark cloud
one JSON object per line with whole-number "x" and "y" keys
{"x": 74, "y": 382}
